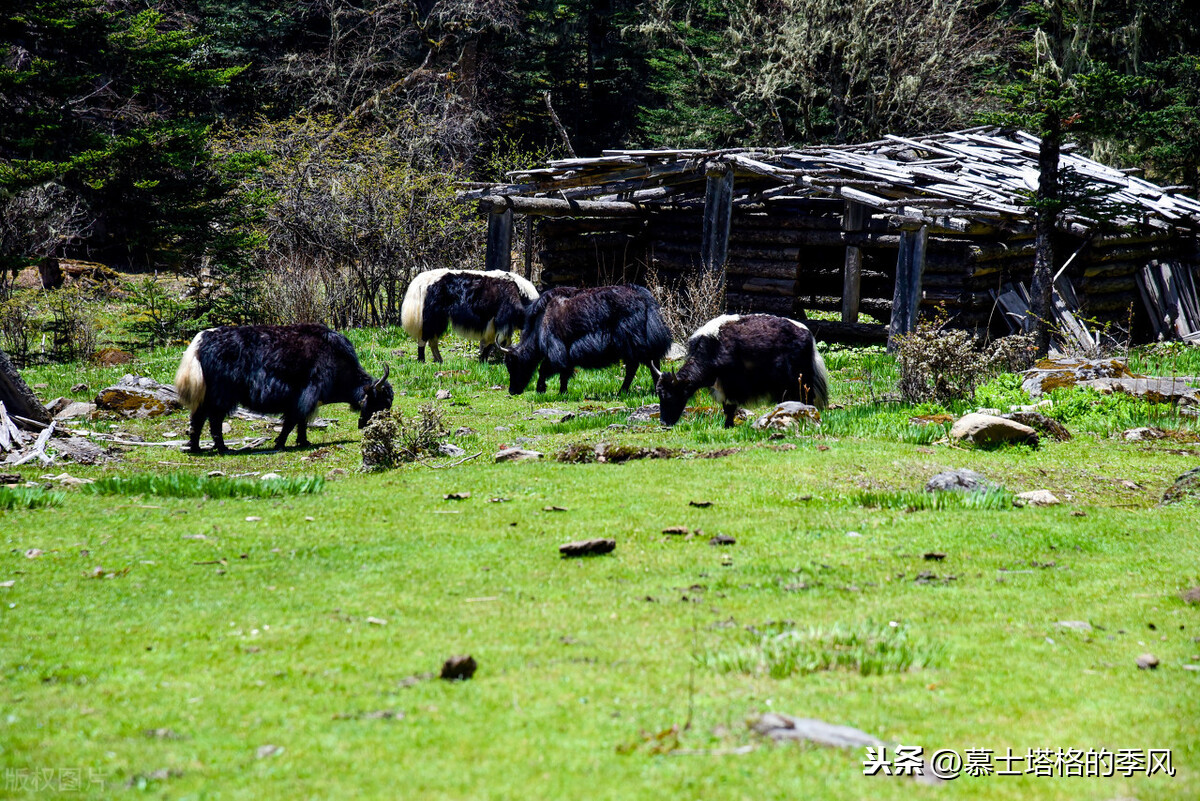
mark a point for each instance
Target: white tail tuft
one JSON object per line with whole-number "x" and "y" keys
{"x": 189, "y": 378}
{"x": 413, "y": 309}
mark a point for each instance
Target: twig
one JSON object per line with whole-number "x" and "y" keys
{"x": 562, "y": 131}
{"x": 452, "y": 464}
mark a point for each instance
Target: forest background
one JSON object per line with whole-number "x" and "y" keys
{"x": 298, "y": 160}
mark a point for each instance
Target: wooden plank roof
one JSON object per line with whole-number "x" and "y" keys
{"x": 962, "y": 178}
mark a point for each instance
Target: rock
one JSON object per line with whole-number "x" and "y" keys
{"x": 80, "y": 388}
{"x": 517, "y": 455}
{"x": 987, "y": 431}
{"x": 1185, "y": 487}
{"x": 1107, "y": 376}
{"x": 459, "y": 668}
{"x": 961, "y": 480}
{"x": 270, "y": 477}
{"x": 56, "y": 405}
{"x": 10, "y": 478}
{"x": 788, "y": 416}
{"x": 69, "y": 480}
{"x": 74, "y": 410}
{"x": 1045, "y": 426}
{"x": 1076, "y": 625}
{"x": 1036, "y": 498}
{"x": 1051, "y": 374}
{"x": 1143, "y": 434}
{"x": 644, "y": 414}
{"x": 1189, "y": 596}
{"x": 79, "y": 450}
{"x": 1147, "y": 662}
{"x": 138, "y": 396}
{"x": 784, "y": 727}
{"x": 558, "y": 415}
{"x": 931, "y": 419}
{"x": 336, "y": 473}
{"x": 594, "y": 547}
{"x": 442, "y": 394}
{"x": 447, "y": 449}
{"x": 723, "y": 539}
{"x": 265, "y": 751}
{"x": 463, "y": 431}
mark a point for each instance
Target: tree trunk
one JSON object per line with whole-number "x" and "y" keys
{"x": 1048, "y": 206}
{"x": 16, "y": 395}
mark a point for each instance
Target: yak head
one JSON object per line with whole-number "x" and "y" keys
{"x": 521, "y": 363}
{"x": 672, "y": 398}
{"x": 377, "y": 397}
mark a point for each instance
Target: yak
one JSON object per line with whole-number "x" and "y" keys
{"x": 483, "y": 306}
{"x": 744, "y": 357}
{"x": 570, "y": 327}
{"x": 277, "y": 369}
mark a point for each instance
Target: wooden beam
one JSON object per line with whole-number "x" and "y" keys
{"x": 910, "y": 268}
{"x": 499, "y": 241}
{"x": 553, "y": 207}
{"x": 718, "y": 211}
{"x": 852, "y": 220}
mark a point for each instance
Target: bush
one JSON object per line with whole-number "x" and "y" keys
{"x": 940, "y": 364}
{"x": 391, "y": 439}
{"x": 690, "y": 302}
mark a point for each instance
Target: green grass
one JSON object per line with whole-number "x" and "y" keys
{"x": 783, "y": 651}
{"x": 183, "y": 485}
{"x": 28, "y": 498}
{"x": 914, "y": 500}
{"x": 309, "y": 621}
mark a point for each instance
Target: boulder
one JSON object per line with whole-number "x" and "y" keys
{"x": 987, "y": 431}
{"x": 1045, "y": 426}
{"x": 74, "y": 410}
{"x": 1036, "y": 498}
{"x": 1143, "y": 434}
{"x": 1107, "y": 376}
{"x": 961, "y": 480}
{"x": 1187, "y": 486}
{"x": 517, "y": 455}
{"x": 139, "y": 396}
{"x": 788, "y": 416}
{"x": 447, "y": 449}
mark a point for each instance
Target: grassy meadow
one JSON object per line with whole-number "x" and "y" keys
{"x": 186, "y": 639}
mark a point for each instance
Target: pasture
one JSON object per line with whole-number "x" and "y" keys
{"x": 186, "y": 642}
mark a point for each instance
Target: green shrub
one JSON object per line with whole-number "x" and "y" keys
{"x": 1001, "y": 392}
{"x": 12, "y": 498}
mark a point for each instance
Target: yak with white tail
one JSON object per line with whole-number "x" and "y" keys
{"x": 745, "y": 357}
{"x": 277, "y": 369}
{"x": 486, "y": 307}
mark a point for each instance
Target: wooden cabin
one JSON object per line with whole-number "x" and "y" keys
{"x": 888, "y": 229}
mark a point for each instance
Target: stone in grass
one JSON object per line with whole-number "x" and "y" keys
{"x": 1036, "y": 498}
{"x": 459, "y": 668}
{"x": 989, "y": 431}
{"x": 449, "y": 449}
{"x": 1147, "y": 662}
{"x": 517, "y": 455}
{"x": 1045, "y": 426}
{"x": 788, "y": 416}
{"x": 1187, "y": 486}
{"x": 1076, "y": 625}
{"x": 961, "y": 480}
{"x": 593, "y": 547}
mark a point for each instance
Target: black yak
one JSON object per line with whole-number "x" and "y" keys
{"x": 484, "y": 306}
{"x": 744, "y": 357}
{"x": 569, "y": 328}
{"x": 277, "y": 369}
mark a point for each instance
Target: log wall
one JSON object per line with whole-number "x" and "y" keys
{"x": 789, "y": 259}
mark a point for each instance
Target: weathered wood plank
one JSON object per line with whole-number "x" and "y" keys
{"x": 499, "y": 241}
{"x": 718, "y": 211}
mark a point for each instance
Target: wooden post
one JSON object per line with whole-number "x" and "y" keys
{"x": 852, "y": 221}
{"x": 528, "y": 246}
{"x": 718, "y": 211}
{"x": 910, "y": 268}
{"x": 499, "y": 241}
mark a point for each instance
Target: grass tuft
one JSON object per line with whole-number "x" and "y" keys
{"x": 783, "y": 651}
{"x": 16, "y": 498}
{"x": 183, "y": 485}
{"x": 918, "y": 500}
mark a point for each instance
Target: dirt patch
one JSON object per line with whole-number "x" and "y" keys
{"x": 608, "y": 453}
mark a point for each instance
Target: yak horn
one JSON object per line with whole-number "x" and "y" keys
{"x": 387, "y": 368}
{"x": 503, "y": 349}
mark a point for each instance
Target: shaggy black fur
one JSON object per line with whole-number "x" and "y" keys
{"x": 281, "y": 369}
{"x": 753, "y": 356}
{"x": 570, "y": 327}
{"x": 471, "y": 301}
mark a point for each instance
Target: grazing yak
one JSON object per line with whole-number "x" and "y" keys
{"x": 744, "y": 357}
{"x": 484, "y": 306}
{"x": 277, "y": 369}
{"x": 570, "y": 327}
